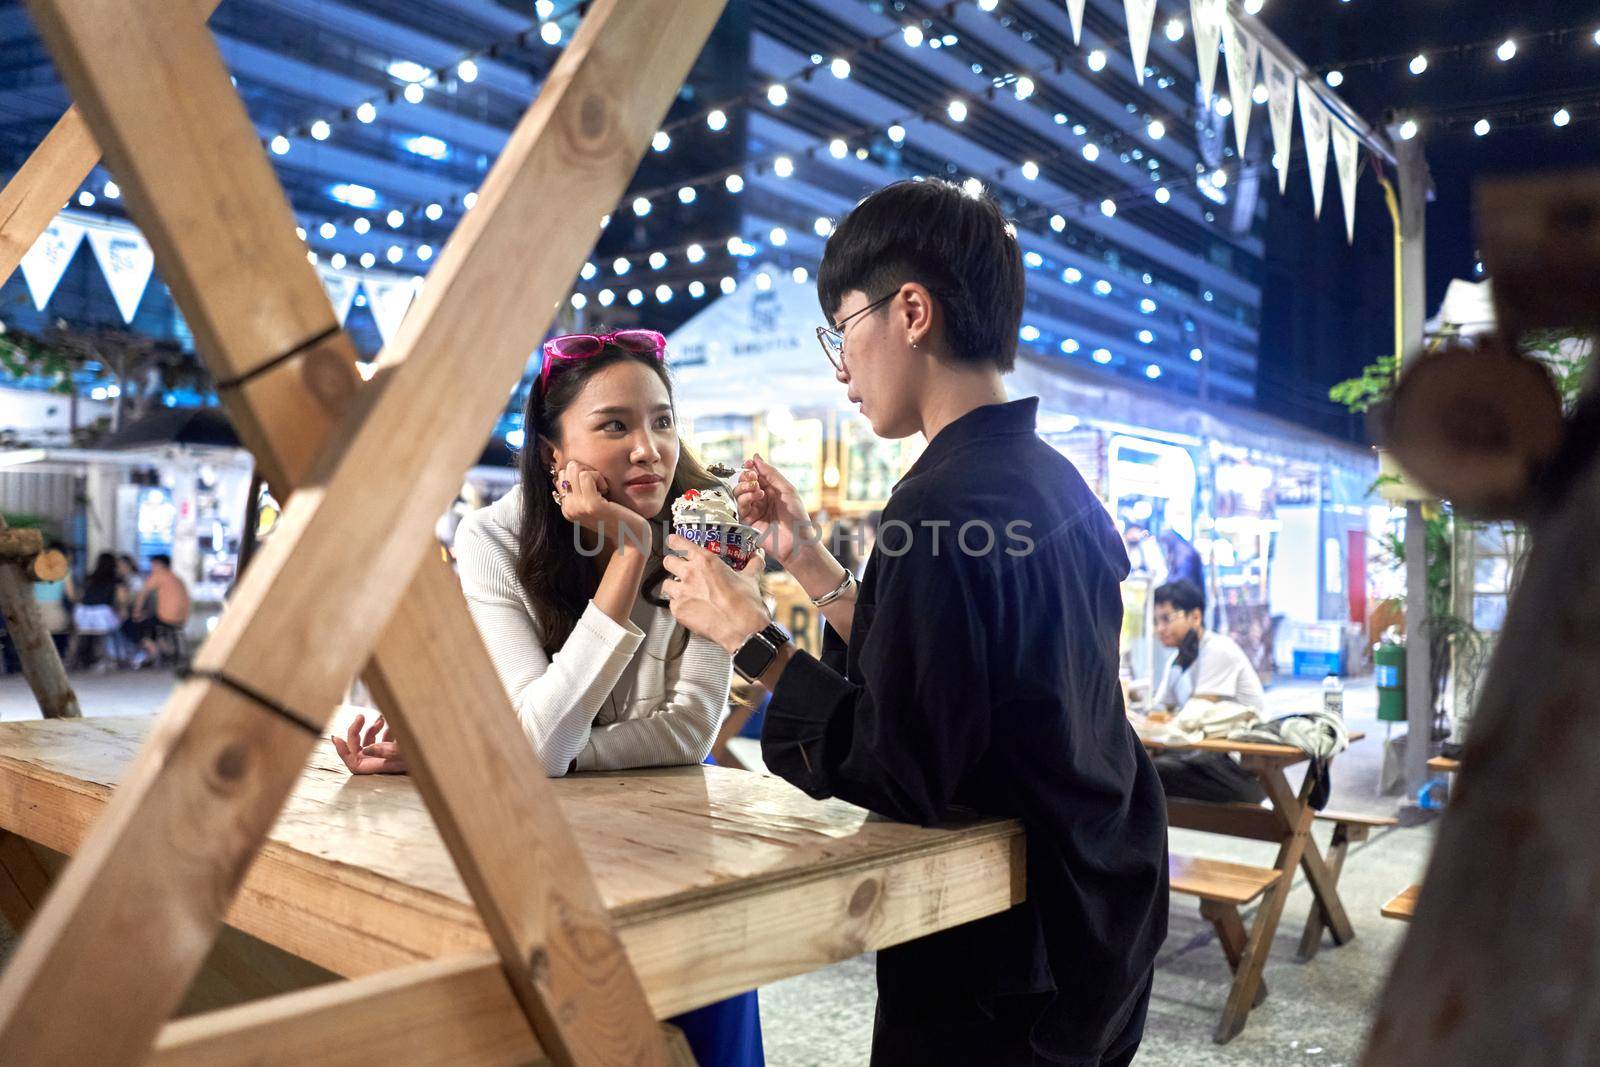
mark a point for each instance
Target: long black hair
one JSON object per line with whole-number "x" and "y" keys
{"x": 557, "y": 578}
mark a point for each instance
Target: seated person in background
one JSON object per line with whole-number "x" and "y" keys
{"x": 1212, "y": 690}
{"x": 162, "y": 602}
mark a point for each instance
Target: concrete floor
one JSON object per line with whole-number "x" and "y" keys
{"x": 1317, "y": 1013}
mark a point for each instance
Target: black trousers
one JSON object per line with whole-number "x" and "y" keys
{"x": 971, "y": 1037}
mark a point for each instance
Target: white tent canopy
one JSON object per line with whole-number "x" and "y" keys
{"x": 754, "y": 350}
{"x": 1467, "y": 308}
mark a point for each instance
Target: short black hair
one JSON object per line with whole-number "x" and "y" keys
{"x": 939, "y": 235}
{"x": 161, "y": 558}
{"x": 1183, "y": 595}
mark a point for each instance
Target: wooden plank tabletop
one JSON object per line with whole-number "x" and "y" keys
{"x": 719, "y": 880}
{"x": 1288, "y": 753}
{"x": 1402, "y": 906}
{"x": 1444, "y": 765}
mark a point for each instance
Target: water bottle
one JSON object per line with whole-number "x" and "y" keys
{"x": 1333, "y": 695}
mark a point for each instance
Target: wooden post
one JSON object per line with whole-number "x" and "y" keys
{"x": 47, "y": 180}
{"x": 1498, "y": 964}
{"x": 570, "y": 158}
{"x": 36, "y": 650}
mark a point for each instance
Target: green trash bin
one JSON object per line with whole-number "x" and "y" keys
{"x": 1389, "y": 672}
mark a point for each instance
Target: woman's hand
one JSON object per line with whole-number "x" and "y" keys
{"x": 710, "y": 598}
{"x": 583, "y": 502}
{"x": 374, "y": 752}
{"x": 767, "y": 499}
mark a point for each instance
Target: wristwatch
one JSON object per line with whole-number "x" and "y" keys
{"x": 759, "y": 650}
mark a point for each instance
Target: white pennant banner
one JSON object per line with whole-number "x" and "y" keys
{"x": 1141, "y": 19}
{"x": 389, "y": 301}
{"x": 1314, "y": 123}
{"x": 341, "y": 290}
{"x": 1242, "y": 52}
{"x": 1346, "y": 158}
{"x": 1205, "y": 18}
{"x": 1280, "y": 106}
{"x": 1075, "y": 13}
{"x": 47, "y": 260}
{"x": 127, "y": 261}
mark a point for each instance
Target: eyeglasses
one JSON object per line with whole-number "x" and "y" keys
{"x": 831, "y": 338}
{"x": 575, "y": 346}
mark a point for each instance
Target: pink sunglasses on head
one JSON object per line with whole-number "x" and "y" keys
{"x": 574, "y": 346}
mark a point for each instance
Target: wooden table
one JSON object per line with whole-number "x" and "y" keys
{"x": 719, "y": 880}
{"x": 1286, "y": 821}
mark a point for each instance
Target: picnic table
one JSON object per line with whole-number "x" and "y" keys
{"x": 718, "y": 880}
{"x": 1223, "y": 887}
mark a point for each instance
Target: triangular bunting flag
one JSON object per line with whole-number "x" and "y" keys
{"x": 1346, "y": 158}
{"x": 1280, "y": 105}
{"x": 1075, "y": 13}
{"x": 1314, "y": 122}
{"x": 46, "y": 261}
{"x": 389, "y": 301}
{"x": 1242, "y": 51}
{"x": 1141, "y": 18}
{"x": 341, "y": 289}
{"x": 127, "y": 262}
{"x": 1206, "y": 18}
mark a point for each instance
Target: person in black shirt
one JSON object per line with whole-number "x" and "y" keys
{"x": 976, "y": 664}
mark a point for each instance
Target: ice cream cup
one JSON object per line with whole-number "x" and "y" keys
{"x": 733, "y": 542}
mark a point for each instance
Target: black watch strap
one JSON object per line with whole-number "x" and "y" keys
{"x": 758, "y": 651}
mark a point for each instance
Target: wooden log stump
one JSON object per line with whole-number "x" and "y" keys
{"x": 20, "y": 551}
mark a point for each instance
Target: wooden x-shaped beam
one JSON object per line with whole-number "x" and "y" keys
{"x": 351, "y": 570}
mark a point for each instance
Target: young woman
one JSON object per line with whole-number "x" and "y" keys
{"x": 98, "y": 615}
{"x": 562, "y": 577}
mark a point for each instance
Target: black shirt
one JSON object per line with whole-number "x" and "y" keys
{"x": 988, "y": 680}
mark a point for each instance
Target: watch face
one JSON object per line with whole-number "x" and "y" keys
{"x": 754, "y": 656}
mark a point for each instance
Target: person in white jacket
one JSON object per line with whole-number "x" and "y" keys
{"x": 562, "y": 576}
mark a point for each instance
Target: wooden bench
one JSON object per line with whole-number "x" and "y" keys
{"x": 1404, "y": 906}
{"x": 1348, "y": 827}
{"x": 1223, "y": 888}
{"x": 1444, "y": 765}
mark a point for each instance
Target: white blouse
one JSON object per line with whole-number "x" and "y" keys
{"x": 613, "y": 696}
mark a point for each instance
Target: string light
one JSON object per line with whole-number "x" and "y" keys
{"x": 1091, "y": 151}
{"x": 1562, "y": 117}
{"x": 395, "y": 219}
{"x": 1408, "y": 129}
{"x": 280, "y": 145}
{"x": 783, "y": 167}
{"x": 1507, "y": 51}
{"x": 1108, "y": 207}
{"x": 823, "y": 227}
{"x": 777, "y": 95}
{"x": 434, "y": 212}
{"x": 734, "y": 183}
{"x": 840, "y": 68}
{"x": 728, "y": 285}
{"x": 112, "y": 191}
{"x": 657, "y": 260}
{"x": 413, "y": 93}
{"x": 1097, "y": 60}
{"x": 1156, "y": 129}
{"x": 641, "y": 206}
{"x": 1334, "y": 78}
{"x": 550, "y": 33}
{"x": 424, "y": 252}
{"x": 957, "y": 111}
{"x": 837, "y": 148}
{"x": 1481, "y": 127}
{"x": 695, "y": 253}
{"x": 1030, "y": 170}
{"x": 1419, "y": 64}
{"x": 661, "y": 141}
{"x": 912, "y": 35}
{"x": 337, "y": 261}
{"x": 366, "y": 112}
{"x": 687, "y": 195}
{"x": 897, "y": 133}
{"x": 320, "y": 130}
{"x": 467, "y": 71}
{"x": 1175, "y": 30}
{"x": 362, "y": 225}
{"x": 697, "y": 288}
{"x": 1163, "y": 195}
{"x": 717, "y": 121}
